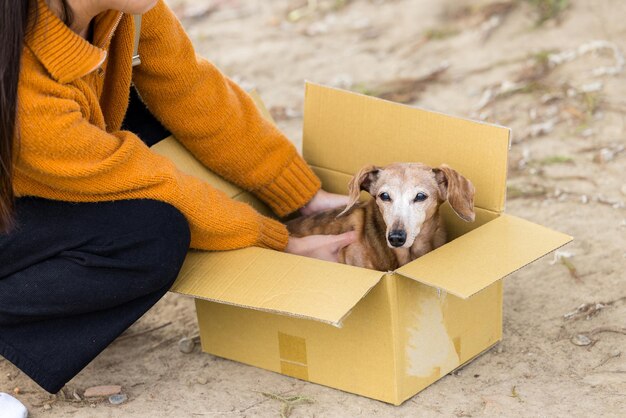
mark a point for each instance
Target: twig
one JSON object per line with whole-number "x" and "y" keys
{"x": 490, "y": 67}
{"x": 573, "y": 177}
{"x": 403, "y": 90}
{"x": 161, "y": 344}
{"x": 601, "y": 330}
{"x": 136, "y": 334}
{"x": 607, "y": 329}
{"x": 607, "y": 359}
{"x": 288, "y": 402}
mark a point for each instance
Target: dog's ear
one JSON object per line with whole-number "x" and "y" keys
{"x": 362, "y": 180}
{"x": 457, "y": 190}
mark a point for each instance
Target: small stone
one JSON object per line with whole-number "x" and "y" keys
{"x": 47, "y": 407}
{"x": 604, "y": 156}
{"x": 106, "y": 390}
{"x": 581, "y": 339}
{"x": 623, "y": 189}
{"x": 186, "y": 345}
{"x": 202, "y": 380}
{"x": 118, "y": 399}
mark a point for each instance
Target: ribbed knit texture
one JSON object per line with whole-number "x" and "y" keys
{"x": 71, "y": 148}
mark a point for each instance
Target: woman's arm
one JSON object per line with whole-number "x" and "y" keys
{"x": 215, "y": 119}
{"x": 63, "y": 156}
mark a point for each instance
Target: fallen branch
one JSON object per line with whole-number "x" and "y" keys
{"x": 136, "y": 334}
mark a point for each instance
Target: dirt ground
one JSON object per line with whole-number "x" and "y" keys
{"x": 526, "y": 64}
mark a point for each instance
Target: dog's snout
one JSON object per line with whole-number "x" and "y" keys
{"x": 397, "y": 238}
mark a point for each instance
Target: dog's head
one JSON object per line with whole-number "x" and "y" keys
{"x": 407, "y": 194}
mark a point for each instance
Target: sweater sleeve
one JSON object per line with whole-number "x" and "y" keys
{"x": 217, "y": 121}
{"x": 63, "y": 156}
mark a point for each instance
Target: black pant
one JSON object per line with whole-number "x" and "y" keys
{"x": 74, "y": 276}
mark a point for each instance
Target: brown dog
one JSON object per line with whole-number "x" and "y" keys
{"x": 402, "y": 222}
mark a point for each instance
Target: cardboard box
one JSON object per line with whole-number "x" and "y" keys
{"x": 384, "y": 335}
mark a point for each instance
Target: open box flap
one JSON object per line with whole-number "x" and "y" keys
{"x": 345, "y": 131}
{"x": 480, "y": 257}
{"x": 276, "y": 282}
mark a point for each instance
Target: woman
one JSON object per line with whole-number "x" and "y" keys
{"x": 94, "y": 226}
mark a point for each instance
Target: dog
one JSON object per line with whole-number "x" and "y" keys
{"x": 401, "y": 222}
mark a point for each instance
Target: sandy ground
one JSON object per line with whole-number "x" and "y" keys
{"x": 567, "y": 172}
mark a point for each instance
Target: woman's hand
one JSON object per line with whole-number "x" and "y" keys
{"x": 323, "y": 247}
{"x": 322, "y": 201}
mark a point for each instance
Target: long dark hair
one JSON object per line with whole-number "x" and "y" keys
{"x": 13, "y": 26}
{"x": 13, "y": 20}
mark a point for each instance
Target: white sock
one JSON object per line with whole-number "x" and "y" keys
{"x": 11, "y": 407}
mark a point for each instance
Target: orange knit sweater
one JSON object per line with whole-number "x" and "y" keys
{"x": 72, "y": 98}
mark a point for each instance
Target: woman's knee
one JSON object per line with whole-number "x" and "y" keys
{"x": 175, "y": 234}
{"x": 165, "y": 237}
{"x": 112, "y": 253}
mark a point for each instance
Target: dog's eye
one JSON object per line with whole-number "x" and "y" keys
{"x": 385, "y": 197}
{"x": 421, "y": 197}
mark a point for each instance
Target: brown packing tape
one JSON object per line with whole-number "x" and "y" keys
{"x": 292, "y": 348}
{"x": 293, "y": 358}
{"x": 294, "y": 370}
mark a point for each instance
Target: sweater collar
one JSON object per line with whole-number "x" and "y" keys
{"x": 65, "y": 54}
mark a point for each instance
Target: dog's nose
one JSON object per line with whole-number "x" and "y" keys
{"x": 397, "y": 238}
